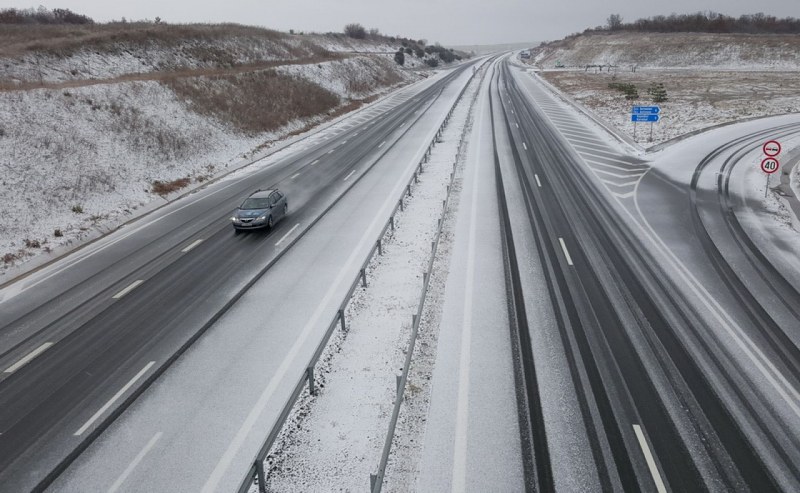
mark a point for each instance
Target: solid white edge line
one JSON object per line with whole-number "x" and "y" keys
{"x": 349, "y": 175}
{"x": 525, "y": 146}
{"x": 566, "y": 252}
{"x": 537, "y": 180}
{"x": 127, "y": 290}
{"x": 651, "y": 463}
{"x": 28, "y": 358}
{"x": 381, "y": 144}
{"x": 192, "y": 245}
{"x": 287, "y": 234}
{"x": 128, "y": 470}
{"x": 113, "y": 399}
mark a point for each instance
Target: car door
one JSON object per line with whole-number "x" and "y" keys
{"x": 275, "y": 209}
{"x": 281, "y": 203}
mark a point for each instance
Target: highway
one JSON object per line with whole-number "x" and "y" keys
{"x": 663, "y": 407}
{"x": 653, "y": 346}
{"x": 82, "y": 339}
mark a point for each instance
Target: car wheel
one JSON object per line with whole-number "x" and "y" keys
{"x": 285, "y": 209}
{"x": 269, "y": 223}
{"x": 236, "y": 231}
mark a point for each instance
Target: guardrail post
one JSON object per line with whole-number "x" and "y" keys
{"x": 310, "y": 377}
{"x": 380, "y": 249}
{"x": 416, "y": 178}
{"x": 341, "y": 319}
{"x": 391, "y": 222}
{"x": 262, "y": 482}
{"x": 363, "y": 278}
{"x": 401, "y": 207}
{"x": 372, "y": 479}
{"x": 408, "y": 189}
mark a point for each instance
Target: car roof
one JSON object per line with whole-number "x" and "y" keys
{"x": 261, "y": 193}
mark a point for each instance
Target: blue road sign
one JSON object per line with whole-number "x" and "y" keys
{"x": 646, "y": 110}
{"x": 644, "y": 118}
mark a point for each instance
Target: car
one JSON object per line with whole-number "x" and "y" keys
{"x": 261, "y": 210}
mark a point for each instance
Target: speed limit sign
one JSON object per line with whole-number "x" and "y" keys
{"x": 769, "y": 165}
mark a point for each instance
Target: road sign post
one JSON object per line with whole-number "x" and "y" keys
{"x": 649, "y": 114}
{"x": 769, "y": 165}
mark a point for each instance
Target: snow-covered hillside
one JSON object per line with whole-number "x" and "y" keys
{"x": 672, "y": 50}
{"x": 91, "y": 123}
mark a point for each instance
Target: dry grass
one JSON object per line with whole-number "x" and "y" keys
{"x": 254, "y": 102}
{"x": 167, "y": 187}
{"x": 16, "y": 40}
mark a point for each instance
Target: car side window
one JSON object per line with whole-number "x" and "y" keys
{"x": 273, "y": 199}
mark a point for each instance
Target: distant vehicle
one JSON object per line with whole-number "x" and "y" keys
{"x": 525, "y": 54}
{"x": 261, "y": 210}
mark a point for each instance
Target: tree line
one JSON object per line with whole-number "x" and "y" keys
{"x": 705, "y": 22}
{"x": 42, "y": 15}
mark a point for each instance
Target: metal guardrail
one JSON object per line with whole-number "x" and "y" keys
{"x": 256, "y": 472}
{"x": 376, "y": 480}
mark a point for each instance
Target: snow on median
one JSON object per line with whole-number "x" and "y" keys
{"x": 333, "y": 441}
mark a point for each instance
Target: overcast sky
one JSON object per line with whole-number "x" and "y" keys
{"x": 446, "y": 21}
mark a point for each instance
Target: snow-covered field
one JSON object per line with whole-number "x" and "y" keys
{"x": 333, "y": 441}
{"x": 697, "y": 98}
{"x": 79, "y": 161}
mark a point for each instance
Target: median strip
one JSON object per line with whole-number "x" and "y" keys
{"x": 651, "y": 463}
{"x": 28, "y": 358}
{"x": 287, "y": 234}
{"x": 127, "y": 290}
{"x": 566, "y": 253}
{"x": 192, "y": 245}
{"x": 113, "y": 399}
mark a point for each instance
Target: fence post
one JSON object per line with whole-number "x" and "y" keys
{"x": 262, "y": 482}
{"x": 310, "y": 377}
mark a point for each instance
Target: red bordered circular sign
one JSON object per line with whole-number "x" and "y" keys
{"x": 769, "y": 165}
{"x": 772, "y": 148}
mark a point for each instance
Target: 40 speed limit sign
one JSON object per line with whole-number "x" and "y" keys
{"x": 769, "y": 165}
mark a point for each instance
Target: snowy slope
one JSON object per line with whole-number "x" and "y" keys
{"x": 85, "y": 130}
{"x": 673, "y": 50}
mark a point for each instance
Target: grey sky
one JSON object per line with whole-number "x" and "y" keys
{"x": 446, "y": 21}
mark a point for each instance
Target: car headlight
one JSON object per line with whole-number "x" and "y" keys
{"x": 234, "y": 219}
{"x": 261, "y": 218}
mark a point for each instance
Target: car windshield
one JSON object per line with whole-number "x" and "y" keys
{"x": 255, "y": 203}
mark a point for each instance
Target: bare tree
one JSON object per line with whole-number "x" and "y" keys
{"x": 355, "y": 30}
{"x": 614, "y": 22}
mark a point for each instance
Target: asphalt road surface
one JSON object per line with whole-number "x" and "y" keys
{"x": 81, "y": 339}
